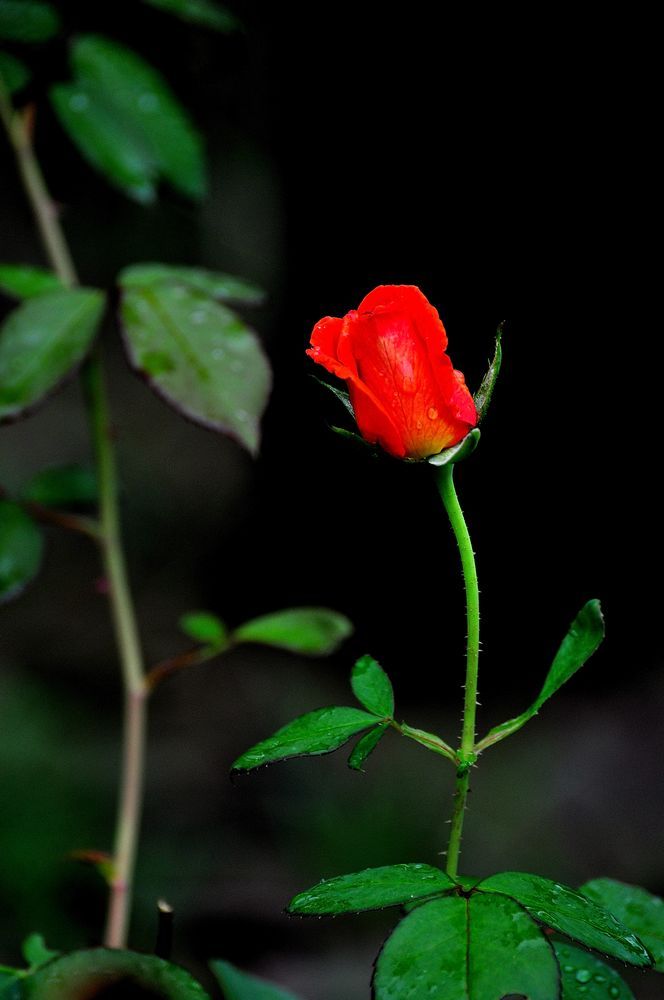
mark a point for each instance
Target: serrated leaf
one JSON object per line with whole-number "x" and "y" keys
{"x": 35, "y": 951}
{"x": 14, "y": 74}
{"x": 458, "y": 451}
{"x": 41, "y": 342}
{"x": 317, "y": 732}
{"x": 585, "y": 977}
{"x": 202, "y": 626}
{"x": 308, "y": 631}
{"x": 372, "y": 889}
{"x": 477, "y": 948}
{"x": 22, "y": 281}
{"x": 84, "y": 973}
{"x": 204, "y": 12}
{"x": 21, "y": 547}
{"x": 225, "y": 287}
{"x": 635, "y": 907}
{"x": 198, "y": 356}
{"x": 28, "y": 20}
{"x": 483, "y": 395}
{"x": 365, "y": 746}
{"x": 238, "y": 985}
{"x": 571, "y": 913}
{"x": 372, "y": 687}
{"x": 585, "y": 635}
{"x": 62, "y": 486}
{"x": 126, "y": 121}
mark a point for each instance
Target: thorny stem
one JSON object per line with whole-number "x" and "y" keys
{"x": 466, "y": 750}
{"x": 19, "y": 130}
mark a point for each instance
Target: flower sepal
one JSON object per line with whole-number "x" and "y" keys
{"x": 462, "y": 449}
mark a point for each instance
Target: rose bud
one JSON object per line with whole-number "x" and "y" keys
{"x": 406, "y": 395}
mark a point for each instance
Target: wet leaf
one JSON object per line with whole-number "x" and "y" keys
{"x": 224, "y": 287}
{"x": 483, "y": 395}
{"x": 585, "y": 977}
{"x": 635, "y": 907}
{"x": 63, "y": 486}
{"x": 365, "y": 746}
{"x": 237, "y": 985}
{"x": 372, "y": 687}
{"x": 202, "y": 626}
{"x": 372, "y": 889}
{"x": 308, "y": 631}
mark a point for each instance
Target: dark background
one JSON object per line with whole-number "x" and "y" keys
{"x": 502, "y": 164}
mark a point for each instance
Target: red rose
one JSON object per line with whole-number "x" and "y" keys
{"x": 406, "y": 395}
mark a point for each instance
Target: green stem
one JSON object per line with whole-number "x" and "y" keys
{"x": 18, "y": 127}
{"x": 466, "y": 750}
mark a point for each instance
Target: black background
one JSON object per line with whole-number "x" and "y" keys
{"x": 500, "y": 161}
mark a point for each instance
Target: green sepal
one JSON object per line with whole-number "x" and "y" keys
{"x": 340, "y": 394}
{"x": 372, "y": 889}
{"x": 585, "y": 977}
{"x": 237, "y": 985}
{"x": 307, "y": 631}
{"x": 458, "y": 451}
{"x": 482, "y": 397}
{"x": 635, "y": 907}
{"x": 583, "y": 638}
{"x": 315, "y": 733}
{"x": 372, "y": 687}
{"x": 568, "y": 911}
{"x": 365, "y": 746}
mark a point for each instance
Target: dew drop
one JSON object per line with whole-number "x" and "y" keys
{"x": 419, "y": 425}
{"x": 614, "y": 991}
{"x": 241, "y": 415}
{"x": 198, "y": 316}
{"x": 79, "y": 102}
{"x": 218, "y": 353}
{"x": 408, "y": 384}
{"x": 583, "y": 976}
{"x": 599, "y": 979}
{"x": 148, "y": 102}
{"x": 568, "y": 968}
{"x": 432, "y": 413}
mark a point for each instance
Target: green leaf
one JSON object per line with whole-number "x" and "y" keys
{"x": 36, "y": 953}
{"x": 428, "y": 740}
{"x": 27, "y": 20}
{"x": 372, "y": 687}
{"x": 20, "y": 281}
{"x": 238, "y": 985}
{"x": 127, "y": 123}
{"x": 41, "y": 342}
{"x": 204, "y": 12}
{"x": 585, "y": 977}
{"x": 365, "y": 746}
{"x": 585, "y": 635}
{"x": 484, "y": 393}
{"x": 567, "y": 911}
{"x": 317, "y": 732}
{"x": 308, "y": 631}
{"x": 21, "y": 547}
{"x": 14, "y": 74}
{"x": 85, "y": 973}
{"x": 200, "y": 357}
{"x": 478, "y": 948}
{"x": 202, "y": 626}
{"x": 225, "y": 287}
{"x": 457, "y": 452}
{"x": 62, "y": 486}
{"x": 10, "y": 988}
{"x": 373, "y": 889}
{"x": 635, "y": 907}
